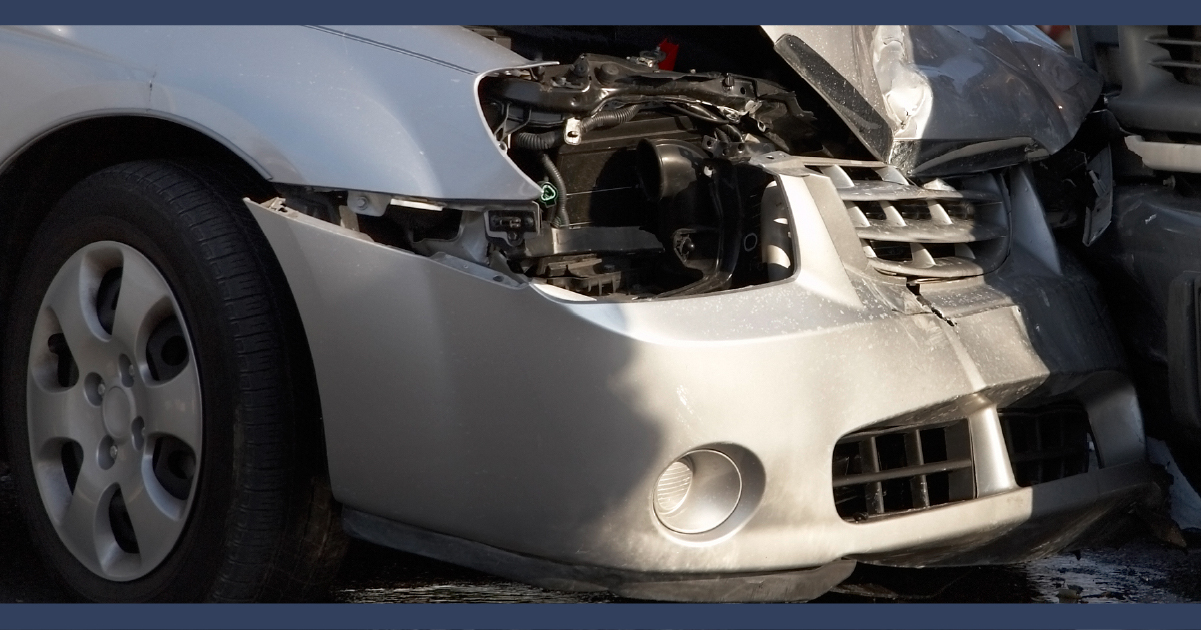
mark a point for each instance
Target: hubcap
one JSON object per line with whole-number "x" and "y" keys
{"x": 113, "y": 405}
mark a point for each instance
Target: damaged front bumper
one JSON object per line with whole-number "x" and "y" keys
{"x": 476, "y": 417}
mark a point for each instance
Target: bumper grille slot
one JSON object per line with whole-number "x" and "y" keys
{"x": 929, "y": 231}
{"x": 1047, "y": 443}
{"x": 1183, "y": 45}
{"x": 891, "y": 471}
{"x": 909, "y": 471}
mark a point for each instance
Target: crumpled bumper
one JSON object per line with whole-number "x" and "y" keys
{"x": 462, "y": 403}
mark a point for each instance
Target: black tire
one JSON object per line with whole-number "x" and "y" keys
{"x": 261, "y": 524}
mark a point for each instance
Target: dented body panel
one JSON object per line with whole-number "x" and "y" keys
{"x": 575, "y": 407}
{"x": 934, "y": 100}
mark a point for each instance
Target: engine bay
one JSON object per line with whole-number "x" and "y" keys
{"x": 647, "y": 190}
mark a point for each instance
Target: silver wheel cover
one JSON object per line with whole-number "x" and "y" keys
{"x": 115, "y": 407}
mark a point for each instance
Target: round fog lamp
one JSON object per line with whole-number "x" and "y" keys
{"x": 697, "y": 492}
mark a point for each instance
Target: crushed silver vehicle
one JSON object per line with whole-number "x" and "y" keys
{"x": 703, "y": 313}
{"x": 1149, "y": 259}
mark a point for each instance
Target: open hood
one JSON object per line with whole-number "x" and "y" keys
{"x": 940, "y": 100}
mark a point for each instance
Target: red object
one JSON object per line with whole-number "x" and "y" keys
{"x": 1060, "y": 33}
{"x": 669, "y": 62}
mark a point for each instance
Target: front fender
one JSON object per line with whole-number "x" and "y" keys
{"x": 386, "y": 109}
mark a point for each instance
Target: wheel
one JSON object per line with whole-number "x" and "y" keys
{"x": 158, "y": 398}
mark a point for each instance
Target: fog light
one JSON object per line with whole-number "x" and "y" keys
{"x": 697, "y": 492}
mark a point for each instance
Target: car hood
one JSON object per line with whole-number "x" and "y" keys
{"x": 942, "y": 100}
{"x": 452, "y": 47}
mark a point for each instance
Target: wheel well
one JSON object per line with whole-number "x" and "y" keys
{"x": 45, "y": 171}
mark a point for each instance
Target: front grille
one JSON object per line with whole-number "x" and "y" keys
{"x": 1047, "y": 443}
{"x": 1183, "y": 45}
{"x": 891, "y": 471}
{"x": 928, "y": 231}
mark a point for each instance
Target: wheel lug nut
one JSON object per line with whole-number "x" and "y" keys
{"x": 112, "y": 451}
{"x": 100, "y": 389}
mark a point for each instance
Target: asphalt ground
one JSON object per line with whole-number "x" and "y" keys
{"x": 1142, "y": 570}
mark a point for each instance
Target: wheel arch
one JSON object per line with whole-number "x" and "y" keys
{"x": 33, "y": 181}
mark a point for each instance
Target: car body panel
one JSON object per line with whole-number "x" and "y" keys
{"x": 1150, "y": 258}
{"x": 303, "y": 106}
{"x": 945, "y": 99}
{"x": 500, "y": 414}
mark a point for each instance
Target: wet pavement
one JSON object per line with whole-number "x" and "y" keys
{"x": 1142, "y": 570}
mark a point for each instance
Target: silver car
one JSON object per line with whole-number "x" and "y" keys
{"x": 683, "y": 314}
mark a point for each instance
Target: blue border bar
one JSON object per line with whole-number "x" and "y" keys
{"x": 602, "y": 616}
{"x": 562, "y": 12}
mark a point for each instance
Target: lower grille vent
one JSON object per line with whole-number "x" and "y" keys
{"x": 1047, "y": 443}
{"x": 891, "y": 471}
